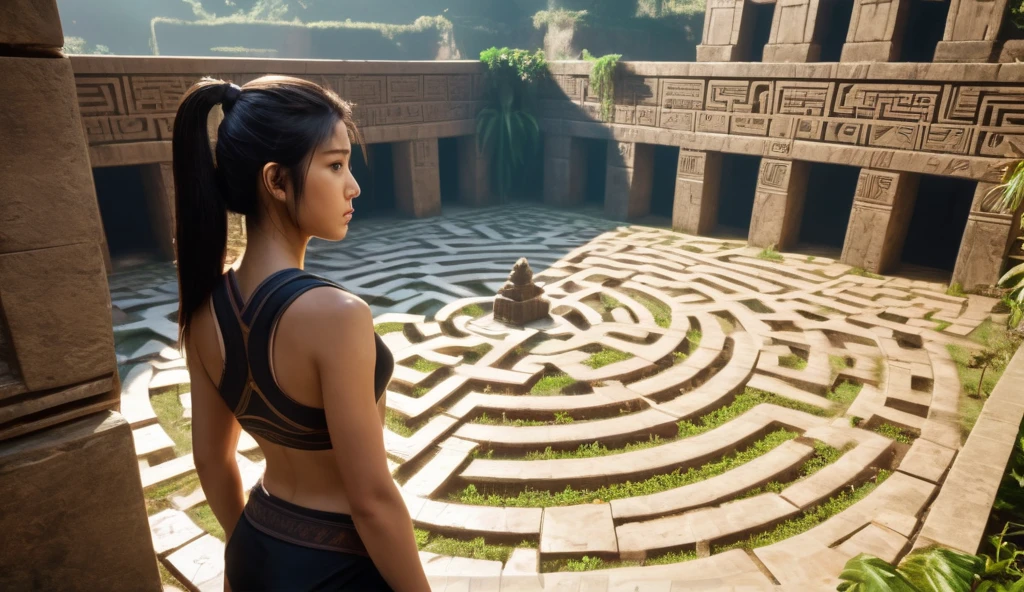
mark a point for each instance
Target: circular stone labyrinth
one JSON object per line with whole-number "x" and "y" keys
{"x": 693, "y": 411}
{"x": 689, "y": 408}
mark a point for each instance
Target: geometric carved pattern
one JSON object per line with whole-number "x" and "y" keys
{"x": 887, "y": 102}
{"x": 141, "y": 107}
{"x": 774, "y": 175}
{"x": 877, "y": 186}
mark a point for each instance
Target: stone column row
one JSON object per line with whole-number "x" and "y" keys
{"x": 879, "y": 220}
{"x": 875, "y": 32}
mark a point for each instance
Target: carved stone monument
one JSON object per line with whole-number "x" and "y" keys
{"x": 520, "y": 301}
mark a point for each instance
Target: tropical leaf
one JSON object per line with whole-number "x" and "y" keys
{"x": 1013, "y": 278}
{"x": 990, "y": 586}
{"x": 937, "y": 569}
{"x": 865, "y": 573}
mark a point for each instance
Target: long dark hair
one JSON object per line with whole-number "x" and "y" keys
{"x": 271, "y": 119}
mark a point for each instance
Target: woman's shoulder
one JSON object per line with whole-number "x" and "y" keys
{"x": 324, "y": 306}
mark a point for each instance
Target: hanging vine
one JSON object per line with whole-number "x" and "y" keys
{"x": 602, "y": 80}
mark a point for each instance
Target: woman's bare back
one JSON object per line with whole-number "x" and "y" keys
{"x": 308, "y": 478}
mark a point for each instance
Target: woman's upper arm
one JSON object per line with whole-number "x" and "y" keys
{"x": 215, "y": 430}
{"x": 345, "y": 356}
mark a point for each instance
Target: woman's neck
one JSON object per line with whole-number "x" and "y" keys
{"x": 270, "y": 248}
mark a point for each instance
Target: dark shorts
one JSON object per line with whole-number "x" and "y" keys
{"x": 280, "y": 546}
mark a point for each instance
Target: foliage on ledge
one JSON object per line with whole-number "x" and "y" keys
{"x": 602, "y": 80}
{"x": 1010, "y": 194}
{"x": 507, "y": 128}
{"x": 662, "y": 8}
{"x": 559, "y": 17}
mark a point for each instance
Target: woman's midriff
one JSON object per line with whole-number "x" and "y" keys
{"x": 305, "y": 478}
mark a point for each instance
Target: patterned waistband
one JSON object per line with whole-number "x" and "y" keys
{"x": 302, "y": 526}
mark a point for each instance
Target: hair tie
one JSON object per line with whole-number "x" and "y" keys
{"x": 231, "y": 92}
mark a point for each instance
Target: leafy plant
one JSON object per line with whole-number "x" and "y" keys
{"x": 507, "y": 128}
{"x": 558, "y": 17}
{"x": 602, "y": 80}
{"x": 983, "y": 360}
{"x": 1011, "y": 196}
{"x": 936, "y": 569}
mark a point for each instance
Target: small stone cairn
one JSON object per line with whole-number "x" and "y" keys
{"x": 520, "y": 301}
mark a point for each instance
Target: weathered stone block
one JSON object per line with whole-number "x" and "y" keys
{"x": 983, "y": 251}
{"x": 33, "y": 24}
{"x": 57, "y": 306}
{"x": 778, "y": 203}
{"x": 74, "y": 516}
{"x": 40, "y": 117}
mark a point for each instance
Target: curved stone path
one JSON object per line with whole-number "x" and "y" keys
{"x": 696, "y": 342}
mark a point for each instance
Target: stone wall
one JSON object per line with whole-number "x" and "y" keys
{"x": 128, "y": 107}
{"x": 896, "y": 121}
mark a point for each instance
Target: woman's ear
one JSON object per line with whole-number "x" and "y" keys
{"x": 274, "y": 179}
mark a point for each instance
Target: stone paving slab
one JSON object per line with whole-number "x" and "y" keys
{"x": 172, "y": 529}
{"x": 152, "y": 443}
{"x": 135, "y": 404}
{"x": 578, "y": 531}
{"x": 201, "y": 563}
{"x": 721, "y": 524}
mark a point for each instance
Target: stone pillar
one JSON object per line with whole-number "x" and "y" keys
{"x": 876, "y": 30}
{"x": 417, "y": 180}
{"x": 73, "y": 511}
{"x": 698, "y": 178}
{"x": 474, "y": 168}
{"x": 724, "y": 22}
{"x": 882, "y": 207}
{"x": 158, "y": 184}
{"x": 794, "y": 37}
{"x": 989, "y": 234}
{"x": 778, "y": 203}
{"x": 629, "y": 180}
{"x": 564, "y": 167}
{"x": 972, "y": 30}
{"x": 74, "y": 517}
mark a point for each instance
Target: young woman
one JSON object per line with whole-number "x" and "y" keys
{"x": 288, "y": 356}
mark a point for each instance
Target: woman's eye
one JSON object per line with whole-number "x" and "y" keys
{"x": 337, "y": 166}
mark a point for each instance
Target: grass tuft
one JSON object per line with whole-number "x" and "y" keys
{"x": 385, "y": 328}
{"x": 605, "y": 357}
{"x": 770, "y": 254}
{"x": 792, "y": 361}
{"x": 863, "y": 273}
{"x": 474, "y": 549}
{"x": 552, "y": 384}
{"x": 895, "y": 433}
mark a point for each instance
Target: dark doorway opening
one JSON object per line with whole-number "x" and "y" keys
{"x": 448, "y": 169}
{"x": 374, "y": 172}
{"x": 761, "y": 28}
{"x": 926, "y": 23}
{"x": 129, "y": 216}
{"x": 736, "y": 194}
{"x": 596, "y": 170}
{"x": 938, "y": 222}
{"x": 836, "y": 24}
{"x": 529, "y": 185}
{"x": 827, "y": 205}
{"x": 663, "y": 185}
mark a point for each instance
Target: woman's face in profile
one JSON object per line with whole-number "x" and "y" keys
{"x": 327, "y": 203}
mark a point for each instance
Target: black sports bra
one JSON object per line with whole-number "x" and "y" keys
{"x": 247, "y": 386}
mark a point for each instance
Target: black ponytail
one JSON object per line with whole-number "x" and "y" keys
{"x": 271, "y": 119}
{"x": 201, "y": 216}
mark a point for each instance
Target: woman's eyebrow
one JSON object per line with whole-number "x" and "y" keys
{"x": 344, "y": 151}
